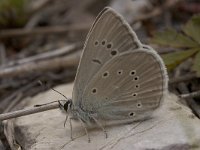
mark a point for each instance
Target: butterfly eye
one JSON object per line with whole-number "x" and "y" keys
{"x": 136, "y": 78}
{"x": 103, "y": 42}
{"x": 132, "y": 72}
{"x": 94, "y": 90}
{"x": 119, "y": 72}
{"x": 109, "y": 45}
{"x": 105, "y": 74}
{"x": 96, "y": 43}
{"x": 139, "y": 105}
{"x": 131, "y": 114}
{"x": 113, "y": 52}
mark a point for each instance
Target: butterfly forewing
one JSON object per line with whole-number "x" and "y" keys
{"x": 109, "y": 36}
{"x": 129, "y": 86}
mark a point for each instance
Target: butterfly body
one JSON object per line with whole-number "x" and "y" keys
{"x": 118, "y": 77}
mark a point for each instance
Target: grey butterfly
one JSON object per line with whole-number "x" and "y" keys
{"x": 118, "y": 77}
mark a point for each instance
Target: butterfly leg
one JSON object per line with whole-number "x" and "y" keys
{"x": 101, "y": 126}
{"x": 70, "y": 122}
{"x": 65, "y": 120}
{"x": 86, "y": 131}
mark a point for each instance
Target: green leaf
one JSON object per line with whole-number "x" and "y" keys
{"x": 173, "y": 59}
{"x": 171, "y": 37}
{"x": 192, "y": 28}
{"x": 196, "y": 65}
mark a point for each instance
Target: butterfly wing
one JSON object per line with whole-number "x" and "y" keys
{"x": 129, "y": 86}
{"x": 109, "y": 36}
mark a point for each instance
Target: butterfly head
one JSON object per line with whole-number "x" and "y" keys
{"x": 65, "y": 105}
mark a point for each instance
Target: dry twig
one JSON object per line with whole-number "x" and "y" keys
{"x": 28, "y": 111}
{"x": 190, "y": 101}
{"x": 156, "y": 11}
{"x": 42, "y": 30}
{"x": 43, "y": 65}
{"x": 184, "y": 89}
{"x": 191, "y": 95}
{"x": 47, "y": 55}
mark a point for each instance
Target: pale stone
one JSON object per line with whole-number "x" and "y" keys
{"x": 172, "y": 127}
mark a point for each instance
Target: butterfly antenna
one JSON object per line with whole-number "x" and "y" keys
{"x": 42, "y": 84}
{"x": 60, "y": 105}
{"x": 60, "y": 93}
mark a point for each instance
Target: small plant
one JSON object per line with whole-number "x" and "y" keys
{"x": 188, "y": 41}
{"x": 12, "y": 13}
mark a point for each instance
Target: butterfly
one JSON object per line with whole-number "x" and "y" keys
{"x": 118, "y": 77}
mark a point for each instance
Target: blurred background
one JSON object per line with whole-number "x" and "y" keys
{"x": 41, "y": 40}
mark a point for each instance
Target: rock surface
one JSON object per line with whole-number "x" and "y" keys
{"x": 173, "y": 127}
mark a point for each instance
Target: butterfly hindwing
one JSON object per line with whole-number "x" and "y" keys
{"x": 109, "y": 36}
{"x": 129, "y": 86}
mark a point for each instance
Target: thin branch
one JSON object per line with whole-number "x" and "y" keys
{"x": 41, "y": 6}
{"x": 184, "y": 89}
{"x": 42, "y": 30}
{"x": 28, "y": 111}
{"x": 165, "y": 50}
{"x": 156, "y": 11}
{"x": 47, "y": 55}
{"x": 191, "y": 95}
{"x": 43, "y": 65}
{"x": 190, "y": 101}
